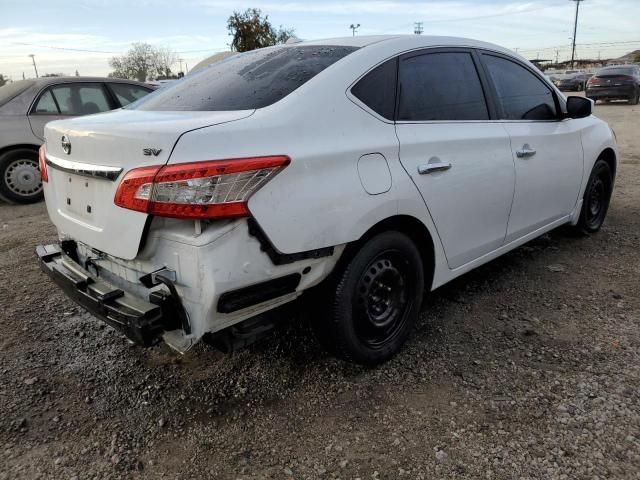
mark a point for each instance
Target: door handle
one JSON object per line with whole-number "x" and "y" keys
{"x": 434, "y": 165}
{"x": 525, "y": 152}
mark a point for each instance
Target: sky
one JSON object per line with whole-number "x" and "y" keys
{"x": 82, "y": 35}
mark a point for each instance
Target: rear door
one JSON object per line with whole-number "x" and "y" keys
{"x": 460, "y": 161}
{"x": 547, "y": 149}
{"x": 68, "y": 100}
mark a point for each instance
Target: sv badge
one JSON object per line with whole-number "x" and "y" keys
{"x": 151, "y": 151}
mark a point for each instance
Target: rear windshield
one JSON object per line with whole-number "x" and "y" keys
{"x": 246, "y": 81}
{"x": 616, "y": 71}
{"x": 12, "y": 90}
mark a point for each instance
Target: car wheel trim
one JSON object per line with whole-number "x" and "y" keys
{"x": 383, "y": 300}
{"x": 22, "y": 177}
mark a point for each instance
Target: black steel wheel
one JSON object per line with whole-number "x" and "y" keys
{"x": 373, "y": 300}
{"x": 596, "y": 199}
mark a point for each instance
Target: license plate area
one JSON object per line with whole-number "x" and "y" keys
{"x": 79, "y": 196}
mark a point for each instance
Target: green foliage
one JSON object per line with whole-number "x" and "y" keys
{"x": 250, "y": 31}
{"x": 142, "y": 62}
{"x": 3, "y": 80}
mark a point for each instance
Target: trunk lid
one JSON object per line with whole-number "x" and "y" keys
{"x": 101, "y": 150}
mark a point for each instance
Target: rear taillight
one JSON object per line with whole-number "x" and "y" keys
{"x": 211, "y": 189}
{"x": 42, "y": 163}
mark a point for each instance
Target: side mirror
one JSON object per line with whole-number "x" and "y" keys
{"x": 579, "y": 107}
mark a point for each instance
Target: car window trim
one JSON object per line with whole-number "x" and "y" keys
{"x": 559, "y": 111}
{"x": 488, "y": 95}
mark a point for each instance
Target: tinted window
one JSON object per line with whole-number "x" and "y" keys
{"x": 246, "y": 81}
{"x": 440, "y": 86}
{"x": 377, "y": 89}
{"x": 126, "y": 93}
{"x": 523, "y": 96}
{"x": 77, "y": 99}
{"x": 46, "y": 105}
{"x": 616, "y": 71}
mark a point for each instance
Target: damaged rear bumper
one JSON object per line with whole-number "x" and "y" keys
{"x": 142, "y": 321}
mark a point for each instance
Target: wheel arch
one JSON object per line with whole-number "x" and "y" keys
{"x": 29, "y": 146}
{"x": 609, "y": 156}
{"x": 415, "y": 229}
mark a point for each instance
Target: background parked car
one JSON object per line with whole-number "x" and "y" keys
{"x": 26, "y": 106}
{"x": 574, "y": 82}
{"x": 620, "y": 82}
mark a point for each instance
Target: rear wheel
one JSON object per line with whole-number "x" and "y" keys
{"x": 634, "y": 100}
{"x": 373, "y": 301}
{"x": 597, "y": 197}
{"x": 20, "y": 180}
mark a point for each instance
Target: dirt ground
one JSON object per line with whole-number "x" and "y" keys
{"x": 528, "y": 367}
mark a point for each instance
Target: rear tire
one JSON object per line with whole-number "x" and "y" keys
{"x": 596, "y": 199}
{"x": 20, "y": 180}
{"x": 634, "y": 100}
{"x": 373, "y": 300}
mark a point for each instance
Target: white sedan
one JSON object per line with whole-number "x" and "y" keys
{"x": 371, "y": 168}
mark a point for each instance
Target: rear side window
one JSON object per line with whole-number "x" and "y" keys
{"x": 377, "y": 89}
{"x": 46, "y": 105}
{"x": 126, "y": 93}
{"x": 81, "y": 99}
{"x": 246, "y": 81}
{"x": 440, "y": 86}
{"x": 522, "y": 95}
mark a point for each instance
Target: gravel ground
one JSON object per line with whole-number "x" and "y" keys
{"x": 525, "y": 368}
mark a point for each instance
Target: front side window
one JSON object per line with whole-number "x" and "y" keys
{"x": 78, "y": 99}
{"x": 440, "y": 86}
{"x": 127, "y": 93}
{"x": 522, "y": 95}
{"x": 246, "y": 81}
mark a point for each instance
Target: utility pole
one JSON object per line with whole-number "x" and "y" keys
{"x": 575, "y": 29}
{"x": 180, "y": 60}
{"x": 417, "y": 28}
{"x": 354, "y": 28}
{"x": 557, "y": 54}
{"x": 33, "y": 58}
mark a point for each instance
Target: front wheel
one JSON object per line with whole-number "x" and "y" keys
{"x": 373, "y": 301}
{"x": 596, "y": 199}
{"x": 20, "y": 180}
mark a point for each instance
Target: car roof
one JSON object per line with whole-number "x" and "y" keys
{"x": 42, "y": 81}
{"x": 407, "y": 41}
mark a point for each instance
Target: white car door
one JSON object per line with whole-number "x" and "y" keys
{"x": 460, "y": 161}
{"x": 547, "y": 150}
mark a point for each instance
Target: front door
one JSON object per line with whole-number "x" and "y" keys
{"x": 547, "y": 150}
{"x": 460, "y": 161}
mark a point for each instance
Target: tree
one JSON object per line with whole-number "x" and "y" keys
{"x": 636, "y": 58}
{"x": 3, "y": 80}
{"x": 250, "y": 31}
{"x": 143, "y": 62}
{"x": 164, "y": 59}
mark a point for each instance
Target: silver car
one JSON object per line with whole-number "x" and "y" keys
{"x": 27, "y": 105}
